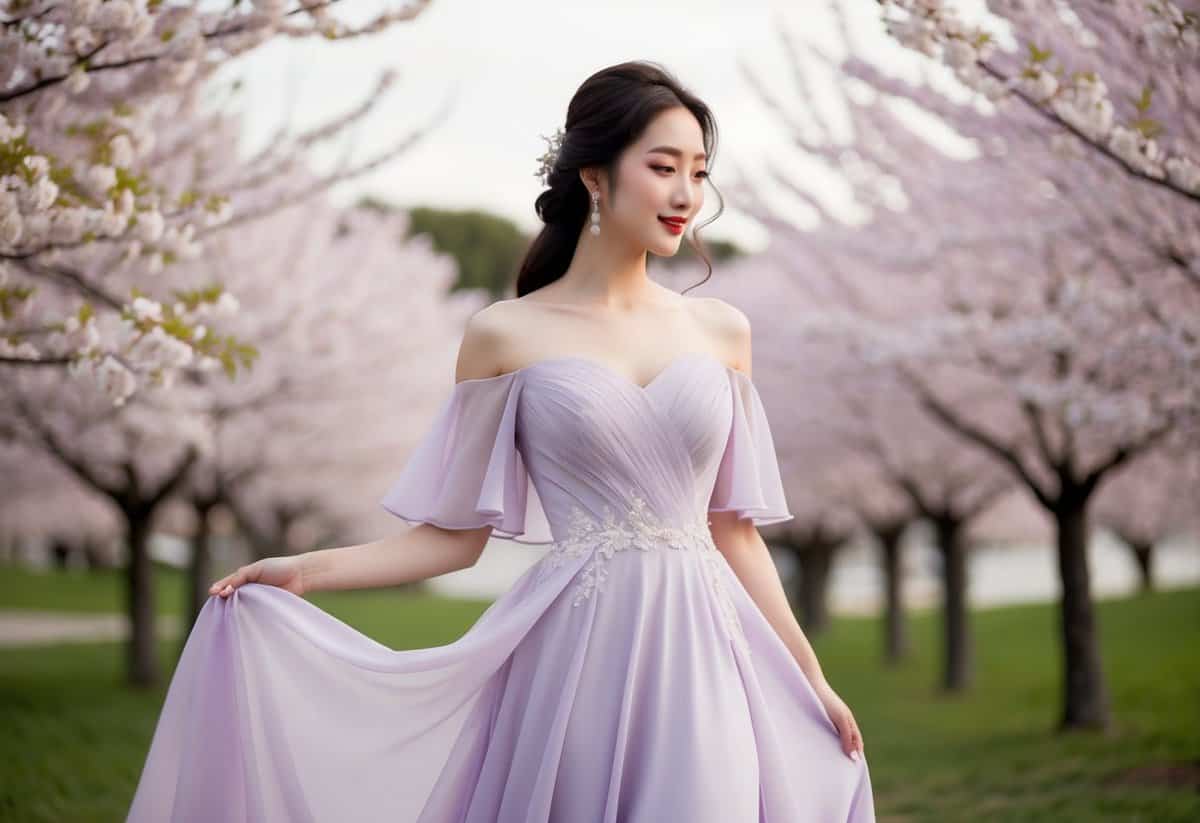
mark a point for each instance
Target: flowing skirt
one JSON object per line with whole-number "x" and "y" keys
{"x": 662, "y": 694}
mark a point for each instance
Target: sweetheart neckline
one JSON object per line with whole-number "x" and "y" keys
{"x": 569, "y": 358}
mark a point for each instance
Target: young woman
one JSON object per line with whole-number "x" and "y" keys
{"x": 648, "y": 667}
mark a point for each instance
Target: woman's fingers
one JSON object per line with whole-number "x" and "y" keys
{"x": 847, "y": 736}
{"x": 843, "y": 722}
{"x": 850, "y": 736}
{"x": 225, "y": 586}
{"x": 856, "y": 742}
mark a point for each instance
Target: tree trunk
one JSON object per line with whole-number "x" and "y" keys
{"x": 957, "y": 657}
{"x": 93, "y": 553}
{"x": 1085, "y": 698}
{"x": 1143, "y": 554}
{"x": 896, "y": 644}
{"x": 142, "y": 649}
{"x": 810, "y": 584}
{"x": 60, "y": 553}
{"x": 198, "y": 578}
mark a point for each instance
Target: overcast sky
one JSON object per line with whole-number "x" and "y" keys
{"x": 510, "y": 68}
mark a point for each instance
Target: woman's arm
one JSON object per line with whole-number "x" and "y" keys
{"x": 741, "y": 544}
{"x": 427, "y": 550}
{"x": 750, "y": 560}
{"x": 419, "y": 553}
{"x": 743, "y": 547}
{"x": 739, "y": 539}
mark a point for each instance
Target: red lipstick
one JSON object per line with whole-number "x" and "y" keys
{"x": 674, "y": 224}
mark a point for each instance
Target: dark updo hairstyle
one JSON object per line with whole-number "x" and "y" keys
{"x": 608, "y": 112}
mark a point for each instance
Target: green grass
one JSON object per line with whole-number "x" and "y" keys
{"x": 81, "y": 590}
{"x": 76, "y": 737}
{"x": 992, "y": 754}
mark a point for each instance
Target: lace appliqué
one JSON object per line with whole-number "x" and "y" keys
{"x": 712, "y": 561}
{"x": 640, "y": 529}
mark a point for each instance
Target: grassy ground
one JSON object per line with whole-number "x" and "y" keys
{"x": 76, "y": 738}
{"x": 79, "y": 590}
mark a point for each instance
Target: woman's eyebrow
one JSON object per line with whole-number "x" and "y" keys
{"x": 671, "y": 150}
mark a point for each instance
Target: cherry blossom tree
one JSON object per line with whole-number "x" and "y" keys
{"x": 943, "y": 482}
{"x": 359, "y": 337}
{"x": 105, "y": 179}
{"x": 38, "y": 493}
{"x": 861, "y": 440}
{"x": 1150, "y": 501}
{"x": 1066, "y": 59}
{"x": 838, "y": 487}
{"x": 1021, "y": 278}
{"x": 135, "y": 456}
{"x": 359, "y": 330}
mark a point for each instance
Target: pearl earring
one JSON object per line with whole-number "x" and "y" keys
{"x": 595, "y": 229}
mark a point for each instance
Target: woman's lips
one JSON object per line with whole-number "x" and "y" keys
{"x": 674, "y": 227}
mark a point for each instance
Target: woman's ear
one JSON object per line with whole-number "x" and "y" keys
{"x": 591, "y": 178}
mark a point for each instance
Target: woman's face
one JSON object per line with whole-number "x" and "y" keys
{"x": 661, "y": 175}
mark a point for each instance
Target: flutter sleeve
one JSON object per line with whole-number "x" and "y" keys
{"x": 748, "y": 478}
{"x": 466, "y": 471}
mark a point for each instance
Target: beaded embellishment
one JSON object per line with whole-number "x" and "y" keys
{"x": 640, "y": 529}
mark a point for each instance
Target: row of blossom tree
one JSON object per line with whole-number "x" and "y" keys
{"x": 110, "y": 175}
{"x": 1023, "y": 315}
{"x": 142, "y": 252}
{"x": 356, "y": 334}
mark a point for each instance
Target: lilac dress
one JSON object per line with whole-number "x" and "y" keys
{"x": 627, "y": 676}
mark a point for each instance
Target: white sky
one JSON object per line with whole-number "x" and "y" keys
{"x": 514, "y": 67}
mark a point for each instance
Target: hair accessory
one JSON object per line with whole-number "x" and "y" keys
{"x": 554, "y": 145}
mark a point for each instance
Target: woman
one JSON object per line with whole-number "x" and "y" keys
{"x": 648, "y": 667}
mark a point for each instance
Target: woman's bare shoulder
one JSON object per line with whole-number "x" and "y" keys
{"x": 726, "y": 326}
{"x": 716, "y": 312}
{"x": 486, "y": 338}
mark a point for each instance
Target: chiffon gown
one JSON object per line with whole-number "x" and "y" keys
{"x": 626, "y": 677}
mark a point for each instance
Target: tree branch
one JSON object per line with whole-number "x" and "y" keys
{"x": 1005, "y": 453}
{"x": 1102, "y": 150}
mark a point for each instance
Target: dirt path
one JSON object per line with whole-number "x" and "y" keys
{"x": 34, "y": 628}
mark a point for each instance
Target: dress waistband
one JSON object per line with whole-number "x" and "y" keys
{"x": 638, "y": 528}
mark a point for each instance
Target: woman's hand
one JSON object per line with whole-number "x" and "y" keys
{"x": 843, "y": 719}
{"x": 284, "y": 572}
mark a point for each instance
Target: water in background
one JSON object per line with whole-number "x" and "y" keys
{"x": 1011, "y": 573}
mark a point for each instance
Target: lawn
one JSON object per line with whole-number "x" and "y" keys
{"x": 76, "y": 737}
{"x": 81, "y": 590}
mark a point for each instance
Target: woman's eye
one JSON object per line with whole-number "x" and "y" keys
{"x": 672, "y": 168}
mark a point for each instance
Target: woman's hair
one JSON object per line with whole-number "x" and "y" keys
{"x": 608, "y": 112}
